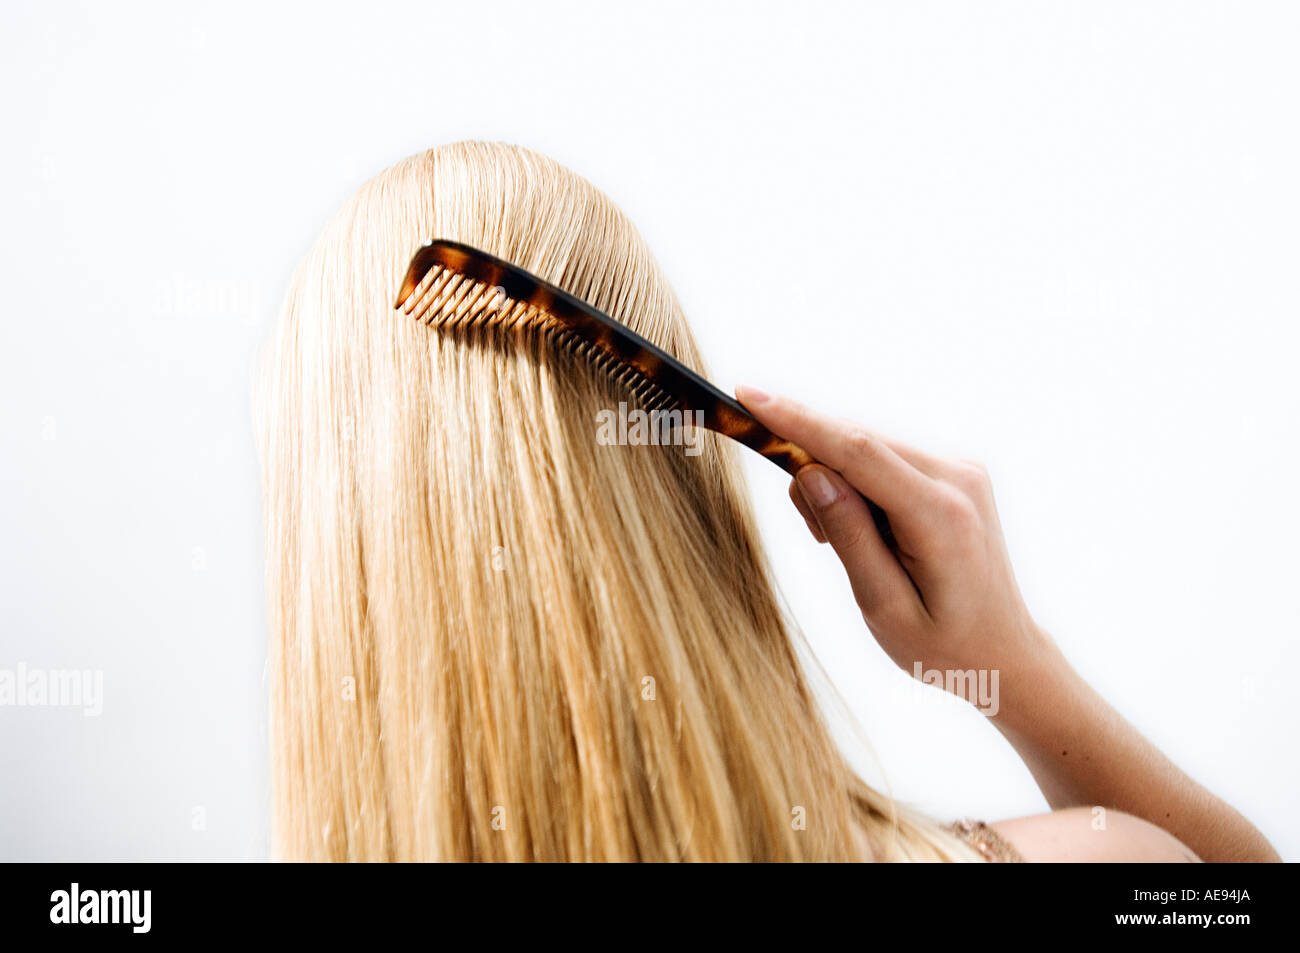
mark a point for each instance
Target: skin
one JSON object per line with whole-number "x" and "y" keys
{"x": 948, "y": 598}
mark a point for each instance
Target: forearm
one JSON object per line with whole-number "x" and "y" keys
{"x": 1082, "y": 752}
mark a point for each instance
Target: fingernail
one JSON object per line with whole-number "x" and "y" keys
{"x": 751, "y": 395}
{"x": 818, "y": 490}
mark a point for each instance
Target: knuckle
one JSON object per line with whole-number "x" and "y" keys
{"x": 849, "y": 535}
{"x": 862, "y": 445}
{"x": 956, "y": 512}
{"x": 971, "y": 475}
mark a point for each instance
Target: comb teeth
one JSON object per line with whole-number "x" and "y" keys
{"x": 446, "y": 299}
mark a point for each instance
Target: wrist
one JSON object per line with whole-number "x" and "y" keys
{"x": 1038, "y": 691}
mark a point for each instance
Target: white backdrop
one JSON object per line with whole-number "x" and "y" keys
{"x": 1059, "y": 237}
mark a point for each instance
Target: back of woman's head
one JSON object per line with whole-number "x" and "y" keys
{"x": 493, "y": 636}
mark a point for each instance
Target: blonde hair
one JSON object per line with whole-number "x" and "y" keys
{"x": 491, "y": 637}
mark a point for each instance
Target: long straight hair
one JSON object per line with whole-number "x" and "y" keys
{"x": 493, "y": 637}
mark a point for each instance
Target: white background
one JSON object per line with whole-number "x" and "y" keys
{"x": 1059, "y": 237}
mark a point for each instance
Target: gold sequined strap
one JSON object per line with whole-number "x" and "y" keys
{"x": 991, "y": 845}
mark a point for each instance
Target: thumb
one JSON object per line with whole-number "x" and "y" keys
{"x": 880, "y": 584}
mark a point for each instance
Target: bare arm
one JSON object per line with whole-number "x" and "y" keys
{"x": 948, "y": 599}
{"x": 1082, "y": 752}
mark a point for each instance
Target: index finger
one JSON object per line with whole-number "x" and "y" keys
{"x": 861, "y": 457}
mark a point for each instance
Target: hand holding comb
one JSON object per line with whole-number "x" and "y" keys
{"x": 450, "y": 284}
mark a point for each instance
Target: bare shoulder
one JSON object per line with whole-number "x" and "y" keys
{"x": 1083, "y": 834}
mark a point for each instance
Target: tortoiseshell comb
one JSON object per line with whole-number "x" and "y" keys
{"x": 449, "y": 284}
